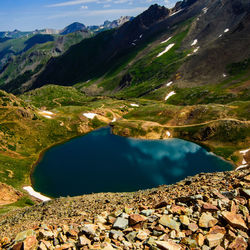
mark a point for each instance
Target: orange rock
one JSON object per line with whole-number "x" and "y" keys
{"x": 234, "y": 220}
{"x": 209, "y": 207}
{"x": 200, "y": 239}
{"x": 136, "y": 218}
{"x": 178, "y": 209}
{"x": 193, "y": 227}
{"x": 30, "y": 243}
{"x": 238, "y": 244}
{"x": 217, "y": 229}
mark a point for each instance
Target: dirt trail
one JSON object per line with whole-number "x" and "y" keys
{"x": 150, "y": 123}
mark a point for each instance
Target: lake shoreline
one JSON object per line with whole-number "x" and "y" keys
{"x": 111, "y": 132}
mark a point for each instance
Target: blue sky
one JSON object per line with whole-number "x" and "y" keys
{"x": 28, "y": 15}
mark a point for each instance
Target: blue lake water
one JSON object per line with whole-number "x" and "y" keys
{"x": 103, "y": 162}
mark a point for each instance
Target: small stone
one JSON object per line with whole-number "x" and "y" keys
{"x": 193, "y": 227}
{"x": 84, "y": 241}
{"x": 65, "y": 246}
{"x": 207, "y": 220}
{"x": 184, "y": 220}
{"x": 131, "y": 236}
{"x": 217, "y": 229}
{"x": 234, "y": 220}
{"x": 142, "y": 235}
{"x": 115, "y": 234}
{"x": 238, "y": 244}
{"x": 147, "y": 212}
{"x": 45, "y": 235}
{"x": 200, "y": 239}
{"x": 89, "y": 229}
{"x": 4, "y": 241}
{"x": 120, "y": 223}
{"x": 161, "y": 204}
{"x": 209, "y": 207}
{"x": 178, "y": 209}
{"x": 168, "y": 245}
{"x": 190, "y": 242}
{"x": 136, "y": 218}
{"x": 214, "y": 239}
{"x": 18, "y": 246}
{"x": 245, "y": 192}
{"x": 167, "y": 221}
{"x": 23, "y": 235}
{"x": 101, "y": 219}
{"x": 219, "y": 248}
{"x": 108, "y": 247}
{"x": 30, "y": 243}
{"x": 42, "y": 246}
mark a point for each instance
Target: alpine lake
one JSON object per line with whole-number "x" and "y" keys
{"x": 103, "y": 162}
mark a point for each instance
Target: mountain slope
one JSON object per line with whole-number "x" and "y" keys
{"x": 206, "y": 31}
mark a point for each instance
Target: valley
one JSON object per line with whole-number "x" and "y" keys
{"x": 167, "y": 74}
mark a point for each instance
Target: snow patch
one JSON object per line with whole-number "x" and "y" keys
{"x": 194, "y": 42}
{"x": 244, "y": 162}
{"x": 169, "y": 95}
{"x": 244, "y": 152}
{"x": 165, "y": 41}
{"x": 35, "y": 194}
{"x": 226, "y": 30}
{"x": 48, "y": 116}
{"x": 196, "y": 49}
{"x": 90, "y": 115}
{"x": 205, "y": 10}
{"x": 176, "y": 12}
{"x": 48, "y": 112}
{"x": 134, "y": 105}
{"x": 166, "y": 50}
{"x": 170, "y": 83}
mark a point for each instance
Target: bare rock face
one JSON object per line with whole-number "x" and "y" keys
{"x": 8, "y": 194}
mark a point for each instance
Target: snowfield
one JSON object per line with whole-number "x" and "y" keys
{"x": 35, "y": 194}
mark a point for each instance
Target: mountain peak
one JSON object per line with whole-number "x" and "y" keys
{"x": 76, "y": 26}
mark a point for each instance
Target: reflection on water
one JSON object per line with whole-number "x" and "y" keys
{"x": 102, "y": 162}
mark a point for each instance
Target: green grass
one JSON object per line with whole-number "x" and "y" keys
{"x": 22, "y": 202}
{"x": 53, "y": 96}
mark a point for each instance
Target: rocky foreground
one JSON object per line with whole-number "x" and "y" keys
{"x": 207, "y": 211}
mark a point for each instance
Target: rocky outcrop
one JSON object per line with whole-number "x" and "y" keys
{"x": 208, "y": 211}
{"x": 8, "y": 194}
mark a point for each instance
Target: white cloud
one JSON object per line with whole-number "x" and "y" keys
{"x": 86, "y": 13}
{"x": 71, "y": 3}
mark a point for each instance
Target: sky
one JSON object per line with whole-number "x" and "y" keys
{"x": 27, "y": 15}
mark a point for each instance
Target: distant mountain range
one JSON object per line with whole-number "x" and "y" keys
{"x": 74, "y": 27}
